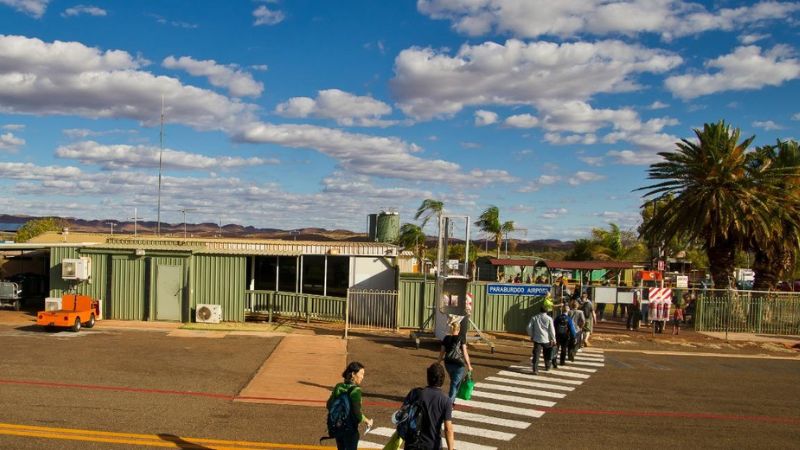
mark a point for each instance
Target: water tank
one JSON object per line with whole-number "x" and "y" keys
{"x": 372, "y": 227}
{"x": 388, "y": 227}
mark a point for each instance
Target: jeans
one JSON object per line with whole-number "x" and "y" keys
{"x": 633, "y": 319}
{"x": 456, "y": 372}
{"x": 348, "y": 442}
{"x": 563, "y": 346}
{"x": 538, "y": 348}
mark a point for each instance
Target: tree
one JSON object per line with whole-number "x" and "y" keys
{"x": 428, "y": 209}
{"x": 776, "y": 251}
{"x": 35, "y": 227}
{"x": 489, "y": 223}
{"x": 717, "y": 197}
{"x": 583, "y": 250}
{"x": 412, "y": 237}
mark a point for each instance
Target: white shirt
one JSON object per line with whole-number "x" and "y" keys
{"x": 541, "y": 328}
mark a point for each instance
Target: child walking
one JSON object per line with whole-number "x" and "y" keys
{"x": 677, "y": 317}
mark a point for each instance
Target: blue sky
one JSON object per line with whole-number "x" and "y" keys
{"x": 301, "y": 113}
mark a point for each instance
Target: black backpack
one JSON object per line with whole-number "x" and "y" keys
{"x": 340, "y": 415}
{"x": 562, "y": 325}
{"x": 410, "y": 418}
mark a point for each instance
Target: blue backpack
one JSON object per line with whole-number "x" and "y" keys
{"x": 340, "y": 415}
{"x": 410, "y": 418}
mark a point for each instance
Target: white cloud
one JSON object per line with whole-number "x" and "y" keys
{"x": 657, "y": 105}
{"x": 748, "y": 39}
{"x": 175, "y": 23}
{"x": 581, "y": 177}
{"x": 796, "y": 116}
{"x": 554, "y": 213}
{"x": 81, "y": 133}
{"x": 745, "y": 68}
{"x": 231, "y": 77}
{"x": 634, "y": 158}
{"x": 260, "y": 67}
{"x": 521, "y": 121}
{"x": 430, "y": 83}
{"x": 78, "y": 10}
{"x": 266, "y": 16}
{"x": 10, "y": 142}
{"x": 596, "y": 161}
{"x": 13, "y": 127}
{"x": 127, "y": 156}
{"x": 483, "y": 118}
{"x": 767, "y": 125}
{"x": 33, "y": 8}
{"x": 28, "y": 171}
{"x": 559, "y": 139}
{"x": 543, "y": 180}
{"x": 345, "y": 108}
{"x": 568, "y": 18}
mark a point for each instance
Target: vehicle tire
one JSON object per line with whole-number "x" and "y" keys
{"x": 90, "y": 323}
{"x": 77, "y": 326}
{"x": 17, "y": 305}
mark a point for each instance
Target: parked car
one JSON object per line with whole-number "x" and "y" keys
{"x": 10, "y": 295}
{"x": 787, "y": 286}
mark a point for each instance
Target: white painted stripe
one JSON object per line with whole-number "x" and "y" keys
{"x": 566, "y": 367}
{"x": 540, "y": 377}
{"x": 367, "y": 444}
{"x": 384, "y": 431}
{"x": 589, "y": 358}
{"x": 593, "y": 351}
{"x": 536, "y": 392}
{"x": 583, "y": 362}
{"x": 589, "y": 355}
{"x": 501, "y": 408}
{"x": 554, "y": 372}
{"x": 490, "y": 420}
{"x": 552, "y": 387}
{"x": 482, "y": 432}
{"x": 513, "y": 399}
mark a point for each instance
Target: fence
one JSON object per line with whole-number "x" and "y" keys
{"x": 296, "y": 306}
{"x": 748, "y": 312}
{"x": 372, "y": 309}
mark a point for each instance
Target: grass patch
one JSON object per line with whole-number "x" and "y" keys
{"x": 238, "y": 326}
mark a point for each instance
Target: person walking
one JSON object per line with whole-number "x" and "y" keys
{"x": 543, "y": 335}
{"x": 588, "y": 312}
{"x": 634, "y": 312}
{"x": 437, "y": 412}
{"x": 578, "y": 320}
{"x": 677, "y": 316}
{"x": 565, "y": 333}
{"x": 353, "y": 376}
{"x": 456, "y": 358}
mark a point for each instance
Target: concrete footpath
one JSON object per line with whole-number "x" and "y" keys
{"x": 301, "y": 371}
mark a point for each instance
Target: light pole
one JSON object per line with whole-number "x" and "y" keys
{"x": 111, "y": 224}
{"x": 160, "y": 158}
{"x": 184, "y": 210}
{"x": 135, "y": 218}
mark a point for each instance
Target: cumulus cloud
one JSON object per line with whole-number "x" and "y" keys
{"x": 343, "y": 107}
{"x": 13, "y": 127}
{"x": 570, "y": 139}
{"x": 657, "y": 105}
{"x": 535, "y": 185}
{"x": 28, "y": 171}
{"x": 521, "y": 121}
{"x": 10, "y": 142}
{"x": 127, "y": 156}
{"x": 796, "y": 116}
{"x": 592, "y": 160}
{"x": 231, "y": 77}
{"x": 581, "y": 177}
{"x": 266, "y": 16}
{"x": 81, "y": 133}
{"x": 746, "y": 68}
{"x": 634, "y": 158}
{"x": 748, "y": 39}
{"x": 429, "y": 83}
{"x": 483, "y": 118}
{"x": 554, "y": 213}
{"x": 33, "y": 8}
{"x": 767, "y": 125}
{"x": 89, "y": 10}
{"x": 567, "y": 18}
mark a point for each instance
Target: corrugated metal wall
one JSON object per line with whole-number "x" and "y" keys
{"x": 97, "y": 287}
{"x": 220, "y": 280}
{"x": 504, "y": 313}
{"x": 128, "y": 292}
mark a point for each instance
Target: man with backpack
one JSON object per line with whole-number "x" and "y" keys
{"x": 565, "y": 333}
{"x": 578, "y": 320}
{"x": 424, "y": 411}
{"x": 543, "y": 335}
{"x": 344, "y": 409}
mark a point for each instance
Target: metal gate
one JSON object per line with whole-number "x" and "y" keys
{"x": 372, "y": 309}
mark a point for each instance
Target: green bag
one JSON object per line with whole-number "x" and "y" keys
{"x": 394, "y": 443}
{"x": 467, "y": 385}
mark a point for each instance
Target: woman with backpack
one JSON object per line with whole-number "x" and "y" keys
{"x": 455, "y": 356}
{"x": 344, "y": 408}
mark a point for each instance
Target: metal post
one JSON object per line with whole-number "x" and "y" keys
{"x": 346, "y": 313}
{"x": 325, "y": 278}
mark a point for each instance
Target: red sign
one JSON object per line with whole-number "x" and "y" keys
{"x": 660, "y": 264}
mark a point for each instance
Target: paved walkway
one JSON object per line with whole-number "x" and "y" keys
{"x": 752, "y": 337}
{"x": 301, "y": 371}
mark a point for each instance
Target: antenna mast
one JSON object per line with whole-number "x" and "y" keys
{"x": 160, "y": 156}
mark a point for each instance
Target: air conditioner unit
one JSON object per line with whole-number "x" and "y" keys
{"x": 76, "y": 268}
{"x": 208, "y": 313}
{"x": 52, "y": 304}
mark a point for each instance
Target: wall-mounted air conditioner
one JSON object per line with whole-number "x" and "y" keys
{"x": 76, "y": 268}
{"x": 208, "y": 313}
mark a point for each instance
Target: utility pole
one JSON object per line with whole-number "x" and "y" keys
{"x": 135, "y": 218}
{"x": 111, "y": 224}
{"x": 184, "y": 210}
{"x": 160, "y": 158}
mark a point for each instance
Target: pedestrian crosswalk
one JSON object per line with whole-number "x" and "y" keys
{"x": 507, "y": 402}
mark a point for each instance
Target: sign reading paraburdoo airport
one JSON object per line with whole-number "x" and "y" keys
{"x": 534, "y": 290}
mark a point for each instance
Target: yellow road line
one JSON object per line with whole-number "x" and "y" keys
{"x": 152, "y": 440}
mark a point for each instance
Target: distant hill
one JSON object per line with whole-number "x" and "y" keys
{"x": 12, "y": 222}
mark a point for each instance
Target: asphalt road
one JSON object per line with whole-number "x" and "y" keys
{"x": 157, "y": 391}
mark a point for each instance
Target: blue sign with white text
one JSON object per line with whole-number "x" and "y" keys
{"x": 534, "y": 290}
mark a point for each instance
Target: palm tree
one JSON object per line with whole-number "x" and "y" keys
{"x": 718, "y": 198}
{"x": 776, "y": 252}
{"x": 412, "y": 237}
{"x": 428, "y": 209}
{"x": 583, "y": 250}
{"x": 489, "y": 223}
